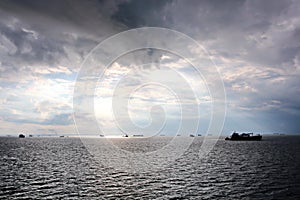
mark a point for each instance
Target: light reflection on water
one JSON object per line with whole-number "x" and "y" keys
{"x": 63, "y": 168}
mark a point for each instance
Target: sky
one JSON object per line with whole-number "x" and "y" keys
{"x": 254, "y": 44}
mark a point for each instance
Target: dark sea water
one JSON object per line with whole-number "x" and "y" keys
{"x": 62, "y": 168}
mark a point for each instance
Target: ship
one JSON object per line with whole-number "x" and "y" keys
{"x": 138, "y": 135}
{"x": 244, "y": 136}
{"x": 22, "y": 135}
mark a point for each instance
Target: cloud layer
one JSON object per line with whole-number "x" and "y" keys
{"x": 255, "y": 45}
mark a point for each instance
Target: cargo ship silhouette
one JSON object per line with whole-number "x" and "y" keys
{"x": 244, "y": 136}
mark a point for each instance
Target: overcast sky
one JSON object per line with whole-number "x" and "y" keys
{"x": 254, "y": 43}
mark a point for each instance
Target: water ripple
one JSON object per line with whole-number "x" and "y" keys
{"x": 61, "y": 168}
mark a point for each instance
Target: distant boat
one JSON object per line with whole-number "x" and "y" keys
{"x": 21, "y": 136}
{"x": 138, "y": 135}
{"x": 62, "y": 136}
{"x": 30, "y": 135}
{"x": 244, "y": 136}
{"x": 199, "y": 135}
{"x": 125, "y": 135}
{"x": 101, "y": 135}
{"x": 191, "y": 135}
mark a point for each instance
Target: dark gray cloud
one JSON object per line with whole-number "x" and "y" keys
{"x": 81, "y": 17}
{"x": 39, "y": 33}
{"x": 136, "y": 13}
{"x": 259, "y": 31}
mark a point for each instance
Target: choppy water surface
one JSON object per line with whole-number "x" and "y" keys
{"x": 62, "y": 168}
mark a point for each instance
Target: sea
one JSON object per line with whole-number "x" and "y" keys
{"x": 64, "y": 168}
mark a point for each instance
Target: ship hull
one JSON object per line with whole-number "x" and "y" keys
{"x": 244, "y": 137}
{"x": 252, "y": 138}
